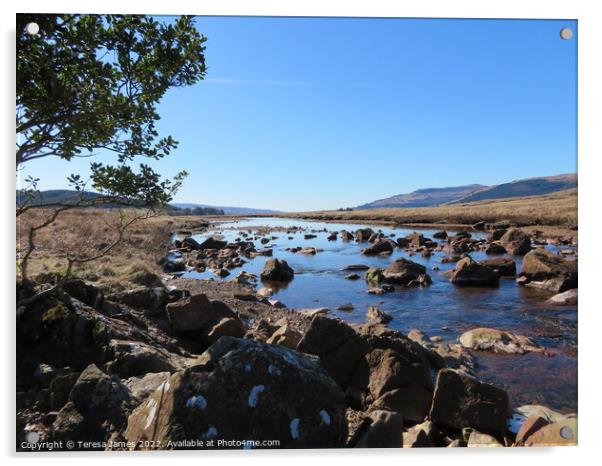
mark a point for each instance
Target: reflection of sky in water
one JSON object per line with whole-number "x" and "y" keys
{"x": 441, "y": 309}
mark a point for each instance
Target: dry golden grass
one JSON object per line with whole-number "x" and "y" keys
{"x": 85, "y": 232}
{"x": 557, "y": 209}
{"x": 135, "y": 261}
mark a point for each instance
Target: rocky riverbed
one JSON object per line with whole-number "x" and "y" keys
{"x": 222, "y": 361}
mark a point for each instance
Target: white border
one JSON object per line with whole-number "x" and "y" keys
{"x": 590, "y": 77}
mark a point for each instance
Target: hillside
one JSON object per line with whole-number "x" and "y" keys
{"x": 424, "y": 197}
{"x": 66, "y": 196}
{"x": 555, "y": 209}
{"x": 228, "y": 210}
{"x": 521, "y": 188}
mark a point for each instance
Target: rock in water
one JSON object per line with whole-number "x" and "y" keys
{"x": 374, "y": 275}
{"x": 406, "y": 272}
{"x": 516, "y": 242}
{"x": 471, "y": 273}
{"x": 245, "y": 390}
{"x": 212, "y": 243}
{"x": 566, "y": 298}
{"x": 495, "y": 248}
{"x": 379, "y": 247}
{"x": 498, "y": 341}
{"x": 277, "y": 270}
{"x": 378, "y": 316}
{"x": 544, "y": 269}
{"x": 346, "y": 236}
{"x": 462, "y": 401}
{"x": 363, "y": 234}
{"x": 503, "y": 266}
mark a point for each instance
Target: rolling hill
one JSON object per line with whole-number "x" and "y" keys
{"x": 67, "y": 196}
{"x": 431, "y": 197}
{"x": 425, "y": 197}
{"x": 522, "y": 188}
{"x": 228, "y": 210}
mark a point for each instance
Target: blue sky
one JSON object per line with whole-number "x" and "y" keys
{"x": 322, "y": 113}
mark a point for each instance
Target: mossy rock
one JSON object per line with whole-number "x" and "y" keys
{"x": 374, "y": 275}
{"x": 57, "y": 312}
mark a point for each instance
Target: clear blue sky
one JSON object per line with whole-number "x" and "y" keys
{"x": 312, "y": 113}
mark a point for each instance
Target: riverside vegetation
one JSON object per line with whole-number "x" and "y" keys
{"x": 133, "y": 352}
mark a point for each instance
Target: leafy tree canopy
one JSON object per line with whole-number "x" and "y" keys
{"x": 88, "y": 83}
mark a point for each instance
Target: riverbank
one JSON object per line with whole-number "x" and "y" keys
{"x": 154, "y": 359}
{"x": 552, "y": 213}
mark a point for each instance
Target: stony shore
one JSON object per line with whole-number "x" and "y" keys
{"x": 194, "y": 363}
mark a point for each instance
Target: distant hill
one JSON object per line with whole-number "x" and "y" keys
{"x": 521, "y": 188}
{"x": 67, "y": 196}
{"x": 229, "y": 210}
{"x": 54, "y": 196}
{"x": 425, "y": 197}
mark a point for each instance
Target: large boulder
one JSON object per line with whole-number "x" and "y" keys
{"x": 285, "y": 335}
{"x": 394, "y": 384}
{"x": 495, "y": 248}
{"x": 496, "y": 234}
{"x": 395, "y": 374}
{"x": 346, "y": 236}
{"x": 277, "y": 270}
{"x": 142, "y": 387}
{"x": 363, "y": 234}
{"x": 462, "y": 401}
{"x": 98, "y": 406}
{"x": 477, "y": 439}
{"x": 516, "y": 242}
{"x": 421, "y": 435}
{"x": 65, "y": 332}
{"x": 374, "y": 275}
{"x": 197, "y": 313}
{"x": 378, "y": 316}
{"x": 471, "y": 273}
{"x": 407, "y": 273}
{"x": 338, "y": 346}
{"x": 503, "y": 266}
{"x": 566, "y": 298}
{"x": 209, "y": 243}
{"x": 381, "y": 429}
{"x": 133, "y": 358}
{"x": 381, "y": 246}
{"x": 498, "y": 341}
{"x": 562, "y": 433}
{"x": 152, "y": 300}
{"x": 529, "y": 426}
{"x": 84, "y": 292}
{"x": 544, "y": 269}
{"x": 226, "y": 327}
{"x": 416, "y": 239}
{"x": 244, "y": 390}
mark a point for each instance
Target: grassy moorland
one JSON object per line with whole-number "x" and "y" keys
{"x": 557, "y": 210}
{"x": 135, "y": 261}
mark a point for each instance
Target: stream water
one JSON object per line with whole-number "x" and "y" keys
{"x": 440, "y": 309}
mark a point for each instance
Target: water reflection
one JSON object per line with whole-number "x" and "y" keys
{"x": 441, "y": 309}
